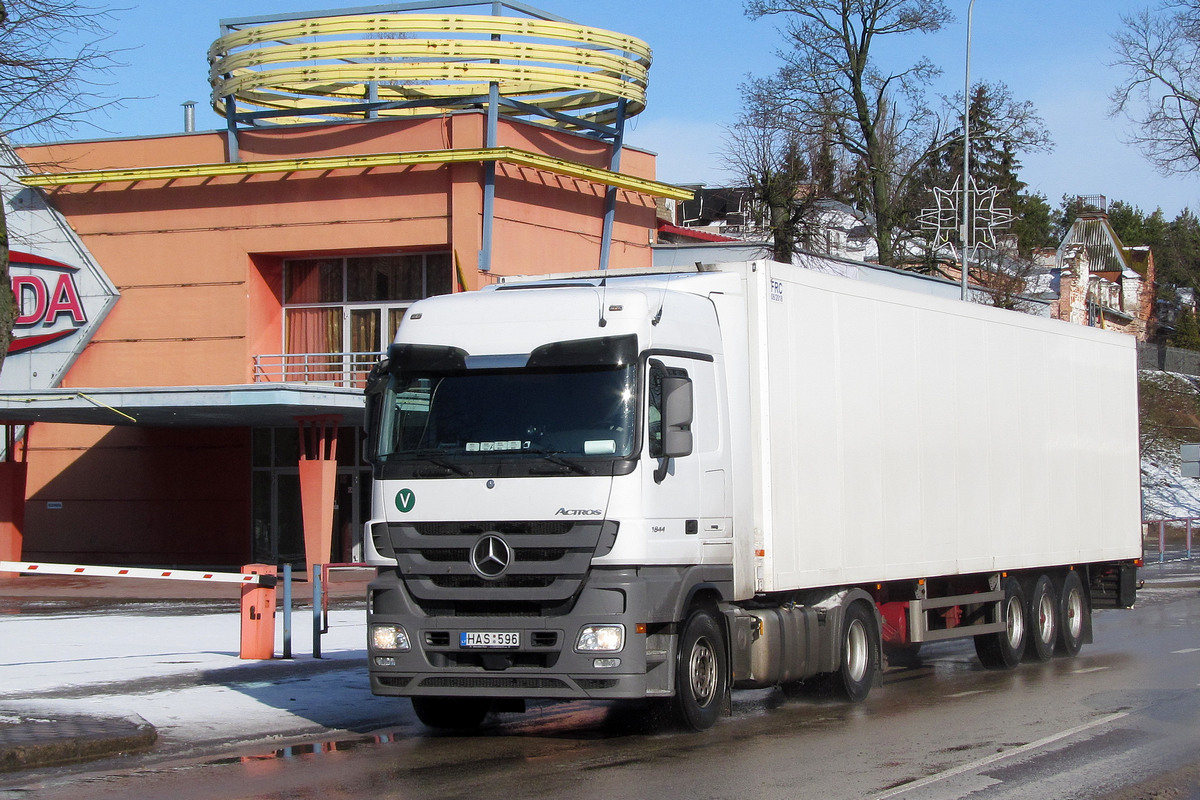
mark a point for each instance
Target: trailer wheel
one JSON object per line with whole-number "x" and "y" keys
{"x": 1073, "y": 613}
{"x": 860, "y": 654}
{"x": 1003, "y": 650}
{"x": 452, "y": 713}
{"x": 702, "y": 674}
{"x": 1043, "y": 620}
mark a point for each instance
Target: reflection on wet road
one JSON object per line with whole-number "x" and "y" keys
{"x": 942, "y": 727}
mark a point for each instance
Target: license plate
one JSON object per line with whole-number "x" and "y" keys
{"x": 489, "y": 639}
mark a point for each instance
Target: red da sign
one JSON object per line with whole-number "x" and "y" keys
{"x": 47, "y": 298}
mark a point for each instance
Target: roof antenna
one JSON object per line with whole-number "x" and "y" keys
{"x": 603, "y": 300}
{"x": 662, "y": 301}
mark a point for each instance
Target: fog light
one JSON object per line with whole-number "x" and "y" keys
{"x": 601, "y": 638}
{"x": 389, "y": 637}
{"x": 603, "y": 663}
{"x": 385, "y": 661}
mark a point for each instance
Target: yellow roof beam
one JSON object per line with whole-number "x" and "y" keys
{"x": 508, "y": 155}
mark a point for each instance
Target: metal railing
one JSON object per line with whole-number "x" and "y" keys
{"x": 1173, "y": 544}
{"x": 335, "y": 369}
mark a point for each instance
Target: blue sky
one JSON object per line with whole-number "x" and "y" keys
{"x": 1052, "y": 52}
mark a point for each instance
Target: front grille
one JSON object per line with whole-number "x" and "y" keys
{"x": 450, "y": 682}
{"x": 533, "y": 528}
{"x": 397, "y": 683}
{"x": 475, "y": 582}
{"x": 547, "y": 562}
{"x": 446, "y": 554}
{"x": 596, "y": 683}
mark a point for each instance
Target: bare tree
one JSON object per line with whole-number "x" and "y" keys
{"x": 1005, "y": 277}
{"x": 773, "y": 160}
{"x": 52, "y": 53}
{"x": 880, "y": 119}
{"x": 1159, "y": 49}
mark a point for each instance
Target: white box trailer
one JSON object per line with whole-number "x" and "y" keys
{"x": 673, "y": 483}
{"x": 916, "y": 436}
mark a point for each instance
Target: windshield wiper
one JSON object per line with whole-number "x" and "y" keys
{"x": 449, "y": 466}
{"x": 554, "y": 458}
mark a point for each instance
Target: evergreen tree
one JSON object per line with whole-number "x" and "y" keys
{"x": 1000, "y": 128}
{"x": 1177, "y": 260}
{"x": 1033, "y": 223}
{"x": 1187, "y": 332}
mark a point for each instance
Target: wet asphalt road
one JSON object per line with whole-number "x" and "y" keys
{"x": 1125, "y": 711}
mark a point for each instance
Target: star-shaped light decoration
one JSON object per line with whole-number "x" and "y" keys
{"x": 946, "y": 217}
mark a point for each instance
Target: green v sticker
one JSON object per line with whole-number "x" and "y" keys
{"x": 405, "y": 500}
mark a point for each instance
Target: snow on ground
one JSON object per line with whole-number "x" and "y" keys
{"x": 1165, "y": 493}
{"x": 181, "y": 673}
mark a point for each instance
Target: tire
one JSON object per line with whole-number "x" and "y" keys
{"x": 859, "y": 654}
{"x": 1043, "y": 620}
{"x": 452, "y": 713}
{"x": 702, "y": 672}
{"x": 1003, "y": 650}
{"x": 1074, "y": 615}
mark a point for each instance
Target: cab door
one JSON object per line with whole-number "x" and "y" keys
{"x": 686, "y": 497}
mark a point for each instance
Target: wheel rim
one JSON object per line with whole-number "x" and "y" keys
{"x": 857, "y": 655}
{"x": 1074, "y": 614}
{"x": 702, "y": 671}
{"x": 1045, "y": 620}
{"x": 1014, "y": 622}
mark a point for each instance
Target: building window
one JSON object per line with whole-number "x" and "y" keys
{"x": 354, "y": 305}
{"x": 340, "y": 314}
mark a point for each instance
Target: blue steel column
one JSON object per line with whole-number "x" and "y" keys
{"x": 489, "y": 180}
{"x": 232, "y": 150}
{"x": 610, "y": 196}
{"x": 231, "y": 146}
{"x": 489, "y": 167}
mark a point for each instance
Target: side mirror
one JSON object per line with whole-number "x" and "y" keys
{"x": 677, "y": 417}
{"x": 373, "y": 394}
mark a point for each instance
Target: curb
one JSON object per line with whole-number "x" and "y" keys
{"x": 28, "y": 742}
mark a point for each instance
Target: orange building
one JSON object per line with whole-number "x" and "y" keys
{"x": 260, "y": 271}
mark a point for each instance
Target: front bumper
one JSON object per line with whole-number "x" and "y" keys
{"x": 545, "y": 665}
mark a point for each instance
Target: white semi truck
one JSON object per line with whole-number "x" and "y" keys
{"x": 673, "y": 484}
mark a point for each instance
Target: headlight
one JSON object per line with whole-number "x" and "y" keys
{"x": 389, "y": 637}
{"x": 601, "y": 639}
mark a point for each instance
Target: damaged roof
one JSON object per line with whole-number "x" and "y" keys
{"x": 1105, "y": 251}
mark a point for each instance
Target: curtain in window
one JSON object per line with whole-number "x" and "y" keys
{"x": 365, "y": 342}
{"x": 313, "y": 334}
{"x": 317, "y": 280}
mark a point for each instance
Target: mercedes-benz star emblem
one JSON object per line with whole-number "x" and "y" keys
{"x": 491, "y": 556}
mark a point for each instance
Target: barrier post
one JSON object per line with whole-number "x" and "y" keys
{"x": 1189, "y": 537}
{"x": 258, "y": 613}
{"x": 287, "y": 610}
{"x": 13, "y": 475}
{"x": 1162, "y": 540}
{"x": 316, "y": 577}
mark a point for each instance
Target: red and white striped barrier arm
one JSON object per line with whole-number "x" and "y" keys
{"x": 34, "y": 568}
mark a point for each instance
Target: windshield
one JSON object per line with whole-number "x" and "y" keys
{"x": 570, "y": 401}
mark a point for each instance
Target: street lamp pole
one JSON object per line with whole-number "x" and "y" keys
{"x": 966, "y": 177}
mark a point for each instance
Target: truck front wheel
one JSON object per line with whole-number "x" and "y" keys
{"x": 452, "y": 713}
{"x": 702, "y": 673}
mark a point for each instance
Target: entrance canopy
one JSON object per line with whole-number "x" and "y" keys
{"x": 259, "y": 405}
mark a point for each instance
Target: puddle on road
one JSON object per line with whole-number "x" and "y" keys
{"x": 309, "y": 749}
